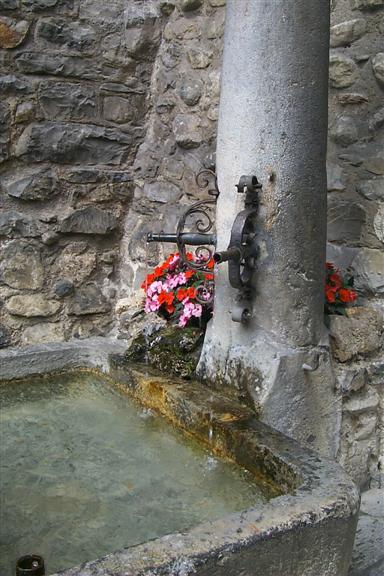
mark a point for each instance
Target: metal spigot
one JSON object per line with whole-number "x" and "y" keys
{"x": 187, "y": 238}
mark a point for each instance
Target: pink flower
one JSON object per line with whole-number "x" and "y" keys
{"x": 152, "y": 304}
{"x": 173, "y": 263}
{"x": 155, "y": 288}
{"x": 189, "y": 310}
{"x": 174, "y": 281}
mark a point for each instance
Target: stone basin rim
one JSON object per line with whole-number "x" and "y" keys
{"x": 324, "y": 492}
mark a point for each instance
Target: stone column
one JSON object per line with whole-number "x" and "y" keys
{"x": 273, "y": 123}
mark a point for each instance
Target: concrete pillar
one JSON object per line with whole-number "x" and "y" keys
{"x": 273, "y": 123}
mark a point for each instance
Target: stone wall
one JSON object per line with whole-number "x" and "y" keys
{"x": 108, "y": 113}
{"x": 74, "y": 85}
{"x": 356, "y": 225}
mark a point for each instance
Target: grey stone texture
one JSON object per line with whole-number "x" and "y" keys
{"x": 368, "y": 552}
{"x": 74, "y": 97}
{"x": 347, "y": 32}
{"x": 358, "y": 334}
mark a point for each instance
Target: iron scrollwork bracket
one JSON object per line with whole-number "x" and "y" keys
{"x": 242, "y": 251}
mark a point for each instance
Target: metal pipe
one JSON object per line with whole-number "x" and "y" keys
{"x": 233, "y": 253}
{"x": 192, "y": 239}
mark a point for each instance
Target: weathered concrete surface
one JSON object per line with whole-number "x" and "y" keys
{"x": 45, "y": 358}
{"x": 307, "y": 530}
{"x": 368, "y": 552}
{"x": 271, "y": 104}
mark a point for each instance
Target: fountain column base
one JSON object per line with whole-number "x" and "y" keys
{"x": 294, "y": 388}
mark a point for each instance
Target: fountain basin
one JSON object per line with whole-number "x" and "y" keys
{"x": 306, "y": 530}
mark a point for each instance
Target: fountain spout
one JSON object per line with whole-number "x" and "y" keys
{"x": 189, "y": 238}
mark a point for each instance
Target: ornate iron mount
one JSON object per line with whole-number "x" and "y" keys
{"x": 242, "y": 250}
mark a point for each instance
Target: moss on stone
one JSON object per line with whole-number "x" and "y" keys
{"x": 171, "y": 350}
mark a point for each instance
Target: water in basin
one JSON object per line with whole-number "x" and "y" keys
{"x": 86, "y": 471}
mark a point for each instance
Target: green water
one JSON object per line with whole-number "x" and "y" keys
{"x": 85, "y": 471}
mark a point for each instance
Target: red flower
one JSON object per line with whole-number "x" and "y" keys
{"x": 335, "y": 281}
{"x": 189, "y": 274}
{"x": 166, "y": 298}
{"x": 181, "y": 294}
{"x": 209, "y": 276}
{"x": 346, "y": 295}
{"x": 149, "y": 279}
{"x": 191, "y": 292}
{"x": 330, "y": 295}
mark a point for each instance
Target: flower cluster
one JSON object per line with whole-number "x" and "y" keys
{"x": 338, "y": 290}
{"x": 171, "y": 291}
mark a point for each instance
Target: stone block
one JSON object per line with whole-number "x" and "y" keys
{"x": 67, "y": 66}
{"x": 9, "y": 4}
{"x": 191, "y": 90}
{"x": 164, "y": 104}
{"x": 5, "y": 120}
{"x": 10, "y": 85}
{"x": 67, "y": 101}
{"x": 21, "y": 266}
{"x": 39, "y": 5}
{"x": 75, "y": 263}
{"x": 365, "y": 401}
{"x": 378, "y": 223}
{"x": 12, "y": 32}
{"x": 162, "y": 192}
{"x": 31, "y": 305}
{"x": 72, "y": 144}
{"x": 366, "y": 4}
{"x": 358, "y": 334}
{"x": 88, "y": 300}
{"x": 89, "y": 220}
{"x": 347, "y": 32}
{"x": 122, "y": 110}
{"x": 173, "y": 168}
{"x": 63, "y": 287}
{"x": 352, "y": 379}
{"x": 215, "y": 26}
{"x": 378, "y": 67}
{"x": 43, "y": 333}
{"x": 141, "y": 43}
{"x": 14, "y": 224}
{"x": 344, "y": 131}
{"x": 199, "y": 58}
{"x": 335, "y": 178}
{"x": 166, "y": 8}
{"x": 359, "y": 446}
{"x": 375, "y": 163}
{"x": 5, "y": 337}
{"x": 343, "y": 71}
{"x": 376, "y": 121}
{"x": 25, "y": 111}
{"x": 33, "y": 185}
{"x": 352, "y": 98}
{"x": 368, "y": 266}
{"x": 345, "y": 220}
{"x": 66, "y": 34}
{"x": 187, "y": 131}
{"x": 113, "y": 11}
{"x": 189, "y": 5}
